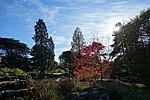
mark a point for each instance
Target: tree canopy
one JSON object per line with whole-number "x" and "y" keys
{"x": 13, "y": 52}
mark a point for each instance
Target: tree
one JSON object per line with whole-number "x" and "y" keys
{"x": 51, "y": 54}
{"x": 131, "y": 48}
{"x": 77, "y": 43}
{"x": 77, "y": 40}
{"x": 89, "y": 64}
{"x": 43, "y": 50}
{"x": 13, "y": 53}
{"x": 65, "y": 57}
{"x": 66, "y": 60}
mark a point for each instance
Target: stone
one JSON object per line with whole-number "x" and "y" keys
{"x": 93, "y": 93}
{"x": 12, "y": 86}
{"x": 72, "y": 96}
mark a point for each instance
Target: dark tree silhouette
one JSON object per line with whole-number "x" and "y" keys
{"x": 13, "y": 53}
{"x": 43, "y": 50}
{"x": 66, "y": 60}
{"x": 132, "y": 48}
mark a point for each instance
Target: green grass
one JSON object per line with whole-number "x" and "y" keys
{"x": 59, "y": 71}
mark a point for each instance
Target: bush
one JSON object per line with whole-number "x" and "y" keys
{"x": 45, "y": 89}
{"x": 66, "y": 86}
{"x": 18, "y": 71}
{"x": 34, "y": 72}
{"x": 6, "y": 70}
{"x": 15, "y": 71}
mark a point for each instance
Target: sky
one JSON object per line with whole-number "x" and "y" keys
{"x": 94, "y": 17}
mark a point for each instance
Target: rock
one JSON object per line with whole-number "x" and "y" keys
{"x": 103, "y": 97}
{"x": 83, "y": 96}
{"x": 12, "y": 86}
{"x": 58, "y": 80}
{"x": 71, "y": 96}
{"x": 19, "y": 98}
{"x": 94, "y": 93}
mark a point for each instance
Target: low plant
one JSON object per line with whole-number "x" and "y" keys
{"x": 6, "y": 69}
{"x": 18, "y": 71}
{"x": 44, "y": 89}
{"x": 66, "y": 85}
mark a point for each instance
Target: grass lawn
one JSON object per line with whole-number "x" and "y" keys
{"x": 57, "y": 73}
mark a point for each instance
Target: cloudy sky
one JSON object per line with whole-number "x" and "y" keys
{"x": 98, "y": 17}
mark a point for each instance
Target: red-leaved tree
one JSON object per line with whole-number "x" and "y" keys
{"x": 89, "y": 62}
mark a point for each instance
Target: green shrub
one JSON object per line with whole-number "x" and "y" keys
{"x": 7, "y": 70}
{"x": 15, "y": 71}
{"x": 1, "y": 73}
{"x": 18, "y": 71}
{"x": 36, "y": 72}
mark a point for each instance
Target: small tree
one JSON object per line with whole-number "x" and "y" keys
{"x": 77, "y": 40}
{"x": 88, "y": 64}
{"x": 66, "y": 60}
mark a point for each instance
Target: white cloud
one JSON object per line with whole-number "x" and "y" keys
{"x": 60, "y": 39}
{"x": 81, "y": 1}
{"x": 118, "y": 3}
{"x": 47, "y": 13}
{"x": 31, "y": 10}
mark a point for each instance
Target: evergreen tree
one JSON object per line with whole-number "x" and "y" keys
{"x": 51, "y": 54}
{"x": 77, "y": 40}
{"x": 77, "y": 43}
{"x": 43, "y": 50}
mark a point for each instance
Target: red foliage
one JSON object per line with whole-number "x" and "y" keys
{"x": 88, "y": 64}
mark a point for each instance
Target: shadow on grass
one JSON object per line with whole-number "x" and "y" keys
{"x": 118, "y": 91}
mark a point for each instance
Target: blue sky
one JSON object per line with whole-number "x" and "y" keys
{"x": 98, "y": 17}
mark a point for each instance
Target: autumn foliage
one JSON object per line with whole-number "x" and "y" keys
{"x": 89, "y": 63}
